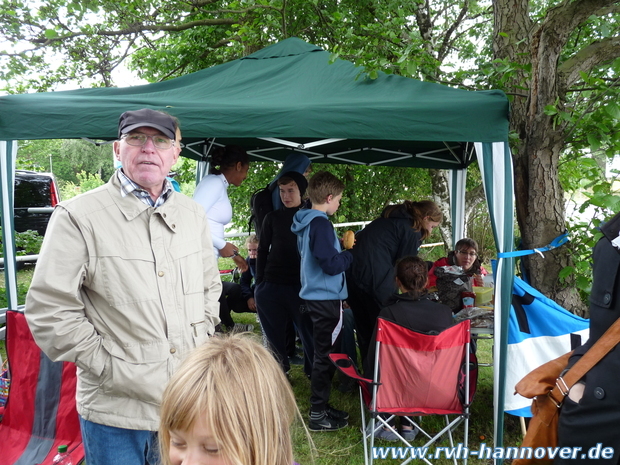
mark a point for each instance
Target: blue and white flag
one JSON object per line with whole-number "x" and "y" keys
{"x": 539, "y": 330}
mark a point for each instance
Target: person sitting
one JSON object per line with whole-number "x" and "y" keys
{"x": 414, "y": 310}
{"x": 203, "y": 421}
{"x": 247, "y": 277}
{"x": 239, "y": 297}
{"x": 465, "y": 255}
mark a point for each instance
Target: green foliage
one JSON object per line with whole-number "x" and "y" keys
{"x": 26, "y": 243}
{"x": 86, "y": 182}
{"x": 597, "y": 199}
{"x": 65, "y": 158}
{"x": 162, "y": 40}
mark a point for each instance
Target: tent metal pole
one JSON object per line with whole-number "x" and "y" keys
{"x": 457, "y": 180}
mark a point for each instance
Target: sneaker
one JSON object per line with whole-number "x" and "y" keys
{"x": 241, "y": 328}
{"x": 336, "y": 414}
{"x": 386, "y": 435}
{"x": 409, "y": 434}
{"x": 326, "y": 423}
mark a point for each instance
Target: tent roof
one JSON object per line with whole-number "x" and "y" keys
{"x": 288, "y": 91}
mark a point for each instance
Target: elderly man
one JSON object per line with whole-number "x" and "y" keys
{"x": 125, "y": 286}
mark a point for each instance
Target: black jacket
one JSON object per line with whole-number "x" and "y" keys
{"x": 418, "y": 314}
{"x": 596, "y": 417}
{"x": 377, "y": 249}
{"x": 278, "y": 259}
{"x": 247, "y": 278}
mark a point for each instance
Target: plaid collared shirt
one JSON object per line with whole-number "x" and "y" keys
{"x": 130, "y": 187}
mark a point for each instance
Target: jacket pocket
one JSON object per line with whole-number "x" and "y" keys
{"x": 199, "y": 332}
{"x": 189, "y": 261}
{"x": 191, "y": 271}
{"x": 128, "y": 277}
{"x": 139, "y": 381}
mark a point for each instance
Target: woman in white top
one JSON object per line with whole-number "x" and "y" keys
{"x": 229, "y": 165}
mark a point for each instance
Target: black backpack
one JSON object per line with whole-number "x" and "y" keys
{"x": 261, "y": 203}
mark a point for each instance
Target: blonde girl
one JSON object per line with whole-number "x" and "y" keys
{"x": 228, "y": 404}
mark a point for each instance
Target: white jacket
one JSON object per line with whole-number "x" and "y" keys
{"x": 125, "y": 291}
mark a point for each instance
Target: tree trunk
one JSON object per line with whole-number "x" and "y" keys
{"x": 441, "y": 196}
{"x": 539, "y": 197}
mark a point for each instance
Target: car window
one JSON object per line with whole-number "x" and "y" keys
{"x": 32, "y": 192}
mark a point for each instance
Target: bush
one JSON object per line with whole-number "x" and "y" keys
{"x": 87, "y": 182}
{"x": 26, "y": 243}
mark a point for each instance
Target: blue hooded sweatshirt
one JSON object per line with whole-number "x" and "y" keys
{"x": 322, "y": 263}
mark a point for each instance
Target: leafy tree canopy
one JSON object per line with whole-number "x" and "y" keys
{"x": 557, "y": 61}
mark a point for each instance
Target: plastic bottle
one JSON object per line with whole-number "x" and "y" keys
{"x": 62, "y": 457}
{"x": 469, "y": 299}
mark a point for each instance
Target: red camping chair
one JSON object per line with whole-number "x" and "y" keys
{"x": 416, "y": 374}
{"x": 40, "y": 412}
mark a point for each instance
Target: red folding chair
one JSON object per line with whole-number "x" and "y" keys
{"x": 416, "y": 375}
{"x": 40, "y": 412}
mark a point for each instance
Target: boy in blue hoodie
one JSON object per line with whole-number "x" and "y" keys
{"x": 323, "y": 288}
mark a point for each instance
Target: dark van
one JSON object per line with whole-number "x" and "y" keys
{"x": 33, "y": 191}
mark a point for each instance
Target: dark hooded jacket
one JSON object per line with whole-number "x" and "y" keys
{"x": 377, "y": 249}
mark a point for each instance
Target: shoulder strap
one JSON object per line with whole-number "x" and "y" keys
{"x": 602, "y": 347}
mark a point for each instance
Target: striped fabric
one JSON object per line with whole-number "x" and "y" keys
{"x": 40, "y": 412}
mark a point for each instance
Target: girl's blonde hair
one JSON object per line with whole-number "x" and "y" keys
{"x": 251, "y": 239}
{"x": 244, "y": 396}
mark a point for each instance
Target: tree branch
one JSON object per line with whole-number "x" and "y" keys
{"x": 138, "y": 28}
{"x": 586, "y": 59}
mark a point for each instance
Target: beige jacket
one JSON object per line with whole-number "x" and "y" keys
{"x": 125, "y": 291}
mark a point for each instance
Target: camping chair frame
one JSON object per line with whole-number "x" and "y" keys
{"x": 455, "y": 340}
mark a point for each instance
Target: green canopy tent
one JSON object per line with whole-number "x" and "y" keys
{"x": 295, "y": 96}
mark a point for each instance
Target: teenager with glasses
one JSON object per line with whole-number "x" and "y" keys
{"x": 465, "y": 255}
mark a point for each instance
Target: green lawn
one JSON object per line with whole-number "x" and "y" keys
{"x": 345, "y": 446}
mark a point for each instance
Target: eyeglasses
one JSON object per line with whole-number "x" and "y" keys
{"x": 138, "y": 140}
{"x": 471, "y": 254}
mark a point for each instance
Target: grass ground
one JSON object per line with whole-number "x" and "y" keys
{"x": 345, "y": 446}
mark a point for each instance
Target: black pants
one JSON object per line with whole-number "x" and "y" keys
{"x": 277, "y": 305}
{"x": 232, "y": 299}
{"x": 326, "y": 318}
{"x": 365, "y": 311}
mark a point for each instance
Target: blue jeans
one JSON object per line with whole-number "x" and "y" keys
{"x": 106, "y": 445}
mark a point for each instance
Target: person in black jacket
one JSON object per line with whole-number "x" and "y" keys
{"x": 414, "y": 310}
{"x": 591, "y": 411}
{"x": 396, "y": 234}
{"x": 278, "y": 279}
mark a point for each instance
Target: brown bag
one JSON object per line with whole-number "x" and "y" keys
{"x": 548, "y": 390}
{"x": 543, "y": 428}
